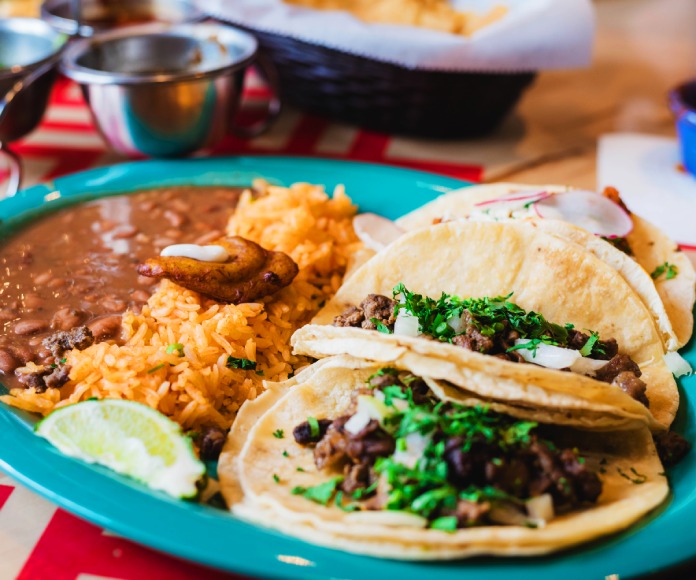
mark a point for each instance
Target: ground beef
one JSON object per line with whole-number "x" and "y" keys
{"x": 211, "y": 441}
{"x": 630, "y": 384}
{"x": 525, "y": 473}
{"x": 303, "y": 432}
{"x": 378, "y": 308}
{"x": 339, "y": 446}
{"x": 468, "y": 513}
{"x": 65, "y": 340}
{"x": 671, "y": 447}
{"x": 474, "y": 340}
{"x": 352, "y": 316}
{"x": 357, "y": 476}
{"x": 45, "y": 377}
{"x": 618, "y": 364}
{"x": 58, "y": 377}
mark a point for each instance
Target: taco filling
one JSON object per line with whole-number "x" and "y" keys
{"x": 500, "y": 328}
{"x": 442, "y": 464}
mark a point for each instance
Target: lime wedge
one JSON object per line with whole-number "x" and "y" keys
{"x": 129, "y": 438}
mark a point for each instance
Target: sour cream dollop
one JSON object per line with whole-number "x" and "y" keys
{"x": 210, "y": 253}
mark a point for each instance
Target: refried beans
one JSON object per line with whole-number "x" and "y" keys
{"x": 77, "y": 266}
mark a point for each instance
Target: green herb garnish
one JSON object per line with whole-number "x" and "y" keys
{"x": 489, "y": 315}
{"x": 313, "y": 427}
{"x": 670, "y": 271}
{"x": 175, "y": 347}
{"x": 300, "y": 469}
{"x": 445, "y": 523}
{"x": 155, "y": 368}
{"x": 286, "y": 454}
{"x": 279, "y": 434}
{"x": 321, "y": 493}
{"x": 276, "y": 478}
{"x": 240, "y": 363}
{"x": 381, "y": 327}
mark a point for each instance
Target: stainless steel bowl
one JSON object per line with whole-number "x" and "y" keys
{"x": 163, "y": 91}
{"x": 100, "y": 15}
{"x": 26, "y": 45}
{"x": 29, "y": 52}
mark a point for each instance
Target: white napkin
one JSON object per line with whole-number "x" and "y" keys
{"x": 533, "y": 35}
{"x": 647, "y": 172}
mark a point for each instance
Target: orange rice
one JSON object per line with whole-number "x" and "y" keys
{"x": 195, "y": 386}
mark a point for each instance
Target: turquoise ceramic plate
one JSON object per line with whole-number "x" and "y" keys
{"x": 212, "y": 537}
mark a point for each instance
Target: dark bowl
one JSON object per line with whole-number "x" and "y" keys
{"x": 25, "y": 45}
{"x": 389, "y": 98}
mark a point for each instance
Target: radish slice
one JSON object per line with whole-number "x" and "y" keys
{"x": 515, "y": 196}
{"x": 587, "y": 210}
{"x": 375, "y": 231}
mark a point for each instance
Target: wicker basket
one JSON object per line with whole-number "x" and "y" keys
{"x": 390, "y": 98}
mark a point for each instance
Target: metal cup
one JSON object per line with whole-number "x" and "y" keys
{"x": 101, "y": 15}
{"x": 164, "y": 91}
{"x": 29, "y": 52}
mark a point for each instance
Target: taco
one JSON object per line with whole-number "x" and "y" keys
{"x": 503, "y": 310}
{"x": 646, "y": 258}
{"x": 367, "y": 459}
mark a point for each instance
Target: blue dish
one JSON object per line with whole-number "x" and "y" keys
{"x": 683, "y": 104}
{"x": 217, "y": 539}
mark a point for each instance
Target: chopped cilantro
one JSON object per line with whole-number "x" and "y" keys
{"x": 300, "y": 469}
{"x": 321, "y": 493}
{"x": 260, "y": 373}
{"x": 240, "y": 363}
{"x": 586, "y": 350}
{"x": 445, "y": 523}
{"x": 276, "y": 478}
{"x": 351, "y": 507}
{"x": 313, "y": 427}
{"x": 155, "y": 368}
{"x": 63, "y": 361}
{"x": 489, "y": 315}
{"x": 670, "y": 271}
{"x": 175, "y": 347}
{"x": 286, "y": 454}
{"x": 279, "y": 434}
{"x": 383, "y": 328}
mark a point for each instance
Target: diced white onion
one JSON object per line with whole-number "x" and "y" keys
{"x": 585, "y": 365}
{"x": 508, "y": 515}
{"x": 415, "y": 446}
{"x": 678, "y": 364}
{"x": 210, "y": 253}
{"x": 391, "y": 518}
{"x": 556, "y": 357}
{"x": 406, "y": 325}
{"x": 541, "y": 508}
{"x": 357, "y": 423}
{"x": 457, "y": 324}
{"x": 375, "y": 231}
{"x": 379, "y": 395}
{"x": 548, "y": 355}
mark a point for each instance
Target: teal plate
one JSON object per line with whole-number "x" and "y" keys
{"x": 212, "y": 537}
